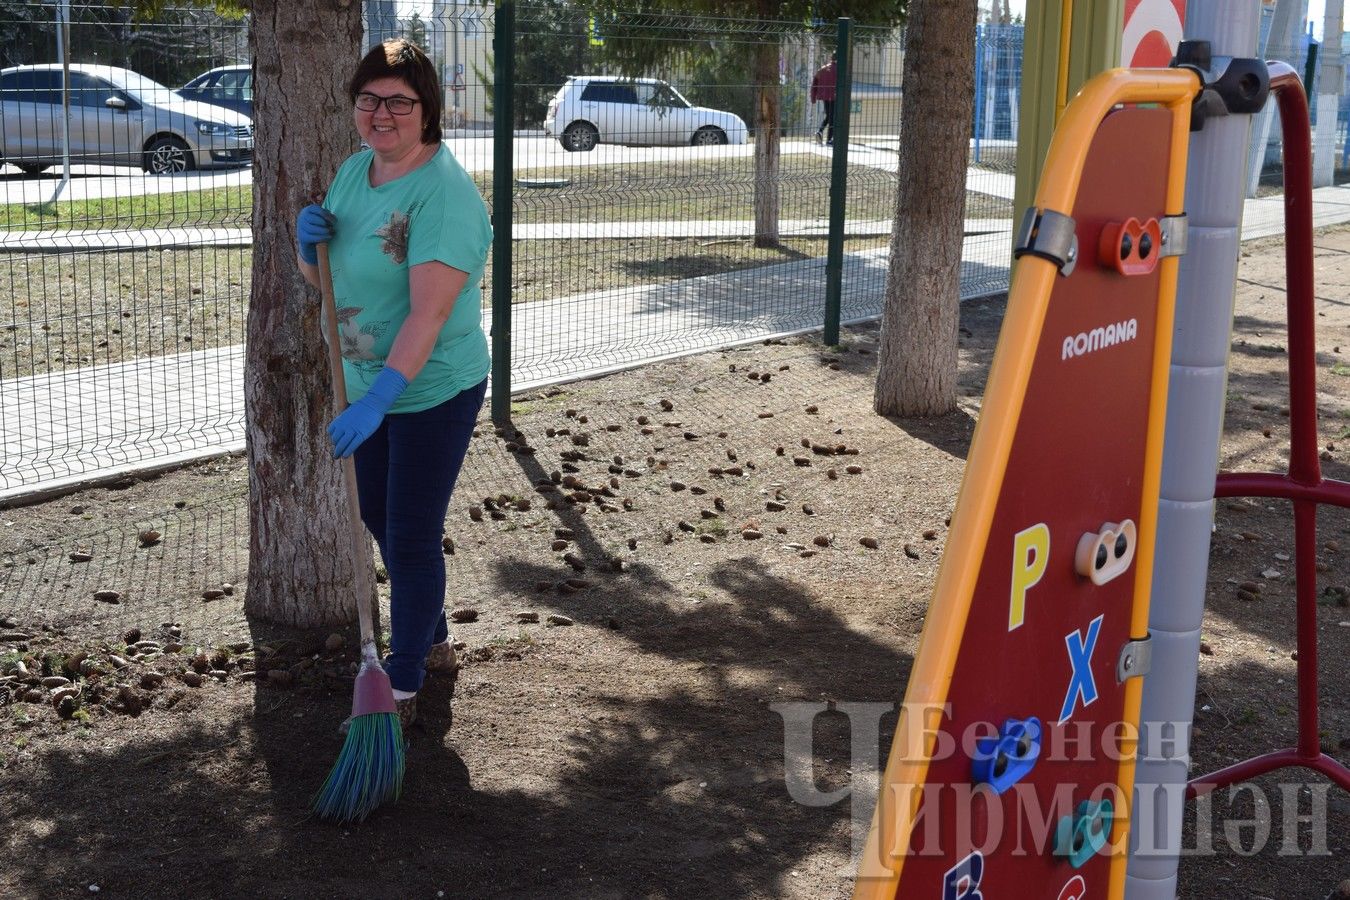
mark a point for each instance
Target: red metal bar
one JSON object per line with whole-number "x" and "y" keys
{"x": 1270, "y": 484}
{"x": 1303, "y": 483}
{"x": 1269, "y": 762}
{"x": 1296, "y": 130}
{"x": 1305, "y": 613}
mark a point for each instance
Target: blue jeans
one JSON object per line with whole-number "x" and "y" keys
{"x": 405, "y": 473}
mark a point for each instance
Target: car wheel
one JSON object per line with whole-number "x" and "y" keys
{"x": 709, "y": 135}
{"x": 579, "y": 137}
{"x": 32, "y": 168}
{"x": 166, "y": 156}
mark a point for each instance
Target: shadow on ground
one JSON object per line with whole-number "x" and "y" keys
{"x": 676, "y": 793}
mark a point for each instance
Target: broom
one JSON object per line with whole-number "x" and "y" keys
{"x": 369, "y": 770}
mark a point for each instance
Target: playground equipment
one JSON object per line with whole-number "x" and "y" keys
{"x": 1303, "y": 483}
{"x": 1037, "y": 635}
{"x": 1013, "y": 766}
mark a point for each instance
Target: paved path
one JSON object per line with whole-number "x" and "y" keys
{"x": 63, "y": 429}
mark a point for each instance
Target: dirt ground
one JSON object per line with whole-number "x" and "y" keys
{"x": 632, "y": 752}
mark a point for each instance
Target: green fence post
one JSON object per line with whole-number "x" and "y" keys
{"x": 1310, "y": 70}
{"x": 503, "y": 127}
{"x": 834, "y": 260}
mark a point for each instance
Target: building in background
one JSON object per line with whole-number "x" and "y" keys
{"x": 381, "y": 22}
{"x": 459, "y": 38}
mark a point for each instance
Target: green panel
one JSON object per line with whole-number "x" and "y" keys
{"x": 1094, "y": 47}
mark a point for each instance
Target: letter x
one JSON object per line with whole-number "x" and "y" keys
{"x": 1081, "y": 684}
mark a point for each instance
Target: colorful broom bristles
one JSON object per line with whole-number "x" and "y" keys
{"x": 369, "y": 770}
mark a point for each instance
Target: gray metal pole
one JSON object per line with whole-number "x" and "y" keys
{"x": 1284, "y": 34}
{"x": 1205, "y": 286}
{"x": 63, "y": 51}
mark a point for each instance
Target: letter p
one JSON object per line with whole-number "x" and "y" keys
{"x": 1031, "y": 553}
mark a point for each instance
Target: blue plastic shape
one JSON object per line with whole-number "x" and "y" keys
{"x": 1002, "y": 761}
{"x": 1080, "y": 836}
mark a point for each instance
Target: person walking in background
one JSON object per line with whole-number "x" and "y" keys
{"x": 822, "y": 89}
{"x": 408, "y": 236}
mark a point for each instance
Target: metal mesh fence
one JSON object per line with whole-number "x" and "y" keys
{"x": 125, "y": 283}
{"x": 634, "y": 206}
{"x": 635, "y": 210}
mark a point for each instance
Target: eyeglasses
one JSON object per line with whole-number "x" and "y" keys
{"x": 397, "y": 105}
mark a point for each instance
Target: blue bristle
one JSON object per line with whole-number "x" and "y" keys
{"x": 368, "y": 771}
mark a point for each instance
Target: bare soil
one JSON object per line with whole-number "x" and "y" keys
{"x": 632, "y": 752}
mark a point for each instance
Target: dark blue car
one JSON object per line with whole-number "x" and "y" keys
{"x": 227, "y": 86}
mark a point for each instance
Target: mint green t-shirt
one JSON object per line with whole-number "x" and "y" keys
{"x": 433, "y": 213}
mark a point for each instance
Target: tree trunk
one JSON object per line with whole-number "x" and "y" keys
{"x": 300, "y": 567}
{"x": 917, "y": 367}
{"x": 766, "y": 143}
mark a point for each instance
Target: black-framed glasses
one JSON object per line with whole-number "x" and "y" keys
{"x": 398, "y": 104}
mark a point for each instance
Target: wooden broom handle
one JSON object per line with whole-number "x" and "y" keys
{"x": 358, "y": 537}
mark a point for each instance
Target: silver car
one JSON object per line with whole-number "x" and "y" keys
{"x": 117, "y": 118}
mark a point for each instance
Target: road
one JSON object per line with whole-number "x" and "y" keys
{"x": 474, "y": 152}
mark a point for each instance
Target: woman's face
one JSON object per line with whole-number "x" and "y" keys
{"x": 388, "y": 134}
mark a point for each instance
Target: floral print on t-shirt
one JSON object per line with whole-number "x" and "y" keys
{"x": 358, "y": 340}
{"x": 395, "y": 234}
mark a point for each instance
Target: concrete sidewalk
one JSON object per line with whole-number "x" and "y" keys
{"x": 86, "y": 424}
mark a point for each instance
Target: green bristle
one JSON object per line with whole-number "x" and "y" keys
{"x": 368, "y": 771}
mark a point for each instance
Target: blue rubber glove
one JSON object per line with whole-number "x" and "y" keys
{"x": 314, "y": 225}
{"x": 360, "y": 420}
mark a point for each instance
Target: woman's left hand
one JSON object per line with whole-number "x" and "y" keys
{"x": 358, "y": 422}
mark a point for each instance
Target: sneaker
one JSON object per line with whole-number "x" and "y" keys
{"x": 407, "y": 712}
{"x": 820, "y": 138}
{"x": 442, "y": 657}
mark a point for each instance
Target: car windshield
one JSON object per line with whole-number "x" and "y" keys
{"x": 140, "y": 86}
{"x": 670, "y": 97}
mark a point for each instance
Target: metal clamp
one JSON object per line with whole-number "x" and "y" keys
{"x": 1230, "y": 85}
{"x": 1175, "y": 234}
{"x": 1049, "y": 235}
{"x": 1136, "y": 659}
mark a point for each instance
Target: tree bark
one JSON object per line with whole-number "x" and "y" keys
{"x": 300, "y": 568}
{"x": 916, "y": 373}
{"x": 766, "y": 143}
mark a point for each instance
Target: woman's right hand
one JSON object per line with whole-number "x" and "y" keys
{"x": 313, "y": 226}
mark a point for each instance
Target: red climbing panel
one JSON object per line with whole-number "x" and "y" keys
{"x": 1013, "y": 763}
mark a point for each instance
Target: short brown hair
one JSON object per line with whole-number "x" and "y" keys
{"x": 401, "y": 58}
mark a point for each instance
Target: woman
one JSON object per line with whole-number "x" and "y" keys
{"x": 408, "y": 236}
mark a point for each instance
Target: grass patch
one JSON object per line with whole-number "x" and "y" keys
{"x": 522, "y": 639}
{"x": 76, "y": 310}
{"x": 60, "y": 311}
{"x": 680, "y": 190}
{"x": 547, "y": 270}
{"x": 707, "y": 189}
{"x": 716, "y": 527}
{"x": 227, "y": 207}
